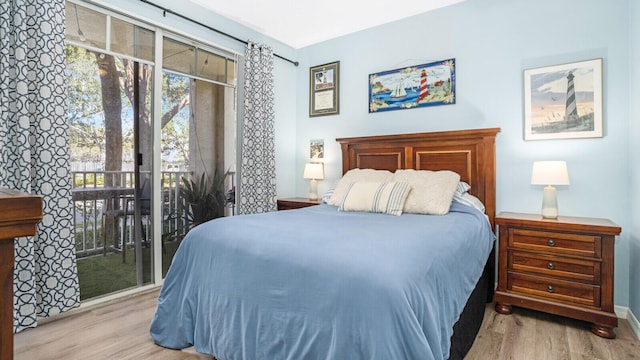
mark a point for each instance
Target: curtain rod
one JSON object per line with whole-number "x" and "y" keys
{"x": 165, "y": 11}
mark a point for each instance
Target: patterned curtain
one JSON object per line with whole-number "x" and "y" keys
{"x": 258, "y": 170}
{"x": 34, "y": 155}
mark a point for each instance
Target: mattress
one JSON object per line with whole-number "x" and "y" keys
{"x": 317, "y": 283}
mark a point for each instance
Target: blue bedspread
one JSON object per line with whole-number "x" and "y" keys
{"x": 316, "y": 283}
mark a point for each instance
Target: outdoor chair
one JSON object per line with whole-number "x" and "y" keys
{"x": 129, "y": 210}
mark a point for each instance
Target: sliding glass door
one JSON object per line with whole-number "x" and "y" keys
{"x": 131, "y": 87}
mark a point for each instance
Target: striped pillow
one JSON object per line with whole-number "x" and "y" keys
{"x": 377, "y": 197}
{"x": 329, "y": 193}
{"x": 462, "y": 188}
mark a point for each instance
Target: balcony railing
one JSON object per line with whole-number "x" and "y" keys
{"x": 97, "y": 192}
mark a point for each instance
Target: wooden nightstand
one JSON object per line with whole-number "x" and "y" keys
{"x": 296, "y": 203}
{"x": 562, "y": 266}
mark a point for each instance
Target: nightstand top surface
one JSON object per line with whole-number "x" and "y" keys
{"x": 606, "y": 225}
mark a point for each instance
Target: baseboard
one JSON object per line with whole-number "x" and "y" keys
{"x": 623, "y": 312}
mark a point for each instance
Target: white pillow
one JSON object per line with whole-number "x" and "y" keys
{"x": 355, "y": 175}
{"x": 377, "y": 197}
{"x": 431, "y": 191}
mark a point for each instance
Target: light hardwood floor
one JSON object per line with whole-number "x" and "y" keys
{"x": 532, "y": 335}
{"x": 120, "y": 330}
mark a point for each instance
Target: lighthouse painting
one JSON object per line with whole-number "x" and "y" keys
{"x": 413, "y": 87}
{"x": 563, "y": 101}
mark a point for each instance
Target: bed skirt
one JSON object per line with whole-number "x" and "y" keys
{"x": 470, "y": 321}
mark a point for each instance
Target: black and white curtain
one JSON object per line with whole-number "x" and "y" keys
{"x": 34, "y": 155}
{"x": 258, "y": 170}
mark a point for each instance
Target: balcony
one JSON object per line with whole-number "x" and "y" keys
{"x": 95, "y": 193}
{"x": 105, "y": 244}
{"x": 102, "y": 240}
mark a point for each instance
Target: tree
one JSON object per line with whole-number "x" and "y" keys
{"x": 177, "y": 101}
{"x": 175, "y": 134}
{"x": 112, "y": 106}
{"x": 101, "y": 89}
{"x": 85, "y": 116}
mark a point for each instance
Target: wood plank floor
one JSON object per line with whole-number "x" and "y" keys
{"x": 120, "y": 330}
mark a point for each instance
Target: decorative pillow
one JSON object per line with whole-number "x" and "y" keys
{"x": 356, "y": 175}
{"x": 377, "y": 197}
{"x": 327, "y": 195}
{"x": 469, "y": 200}
{"x": 462, "y": 188}
{"x": 432, "y": 191}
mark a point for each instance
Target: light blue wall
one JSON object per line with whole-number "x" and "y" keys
{"x": 493, "y": 41}
{"x": 284, "y": 72}
{"x": 634, "y": 134}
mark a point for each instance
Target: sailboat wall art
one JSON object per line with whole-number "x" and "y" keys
{"x": 413, "y": 87}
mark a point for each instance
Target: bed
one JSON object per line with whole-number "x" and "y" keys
{"x": 317, "y": 283}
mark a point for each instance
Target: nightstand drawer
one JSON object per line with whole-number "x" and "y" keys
{"x": 560, "y": 290}
{"x": 548, "y": 265}
{"x": 555, "y": 243}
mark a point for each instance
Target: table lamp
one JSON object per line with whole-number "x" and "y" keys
{"x": 549, "y": 173}
{"x": 313, "y": 171}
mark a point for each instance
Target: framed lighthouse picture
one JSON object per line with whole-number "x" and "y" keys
{"x": 563, "y": 101}
{"x": 413, "y": 87}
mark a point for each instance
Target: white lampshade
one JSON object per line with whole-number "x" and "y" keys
{"x": 313, "y": 171}
{"x": 549, "y": 173}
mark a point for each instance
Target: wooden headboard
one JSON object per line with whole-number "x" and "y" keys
{"x": 470, "y": 153}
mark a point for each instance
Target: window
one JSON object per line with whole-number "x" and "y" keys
{"x": 191, "y": 60}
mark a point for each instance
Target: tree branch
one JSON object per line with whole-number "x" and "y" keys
{"x": 174, "y": 110}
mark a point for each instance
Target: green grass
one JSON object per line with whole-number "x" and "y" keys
{"x": 103, "y": 274}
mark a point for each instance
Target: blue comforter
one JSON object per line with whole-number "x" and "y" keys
{"x": 316, "y": 283}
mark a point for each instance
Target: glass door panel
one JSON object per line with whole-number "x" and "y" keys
{"x": 109, "y": 194}
{"x": 198, "y": 144}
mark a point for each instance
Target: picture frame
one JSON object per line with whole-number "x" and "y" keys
{"x": 563, "y": 101}
{"x": 316, "y": 149}
{"x": 412, "y": 87}
{"x": 324, "y": 89}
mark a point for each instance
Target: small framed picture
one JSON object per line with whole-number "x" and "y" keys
{"x": 324, "y": 89}
{"x": 563, "y": 101}
{"x": 316, "y": 149}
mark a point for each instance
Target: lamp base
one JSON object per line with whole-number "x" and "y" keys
{"x": 313, "y": 189}
{"x": 549, "y": 203}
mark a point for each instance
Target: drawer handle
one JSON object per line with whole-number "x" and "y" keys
{"x": 551, "y": 242}
{"x": 550, "y": 266}
{"x": 550, "y": 288}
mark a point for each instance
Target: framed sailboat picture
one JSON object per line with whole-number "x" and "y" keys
{"x": 413, "y": 87}
{"x": 563, "y": 101}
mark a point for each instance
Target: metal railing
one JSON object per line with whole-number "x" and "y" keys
{"x": 94, "y": 229}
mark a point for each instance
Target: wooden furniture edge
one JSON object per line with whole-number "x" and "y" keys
{"x": 582, "y": 224}
{"x": 19, "y": 215}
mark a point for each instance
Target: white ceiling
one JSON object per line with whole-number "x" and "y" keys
{"x": 299, "y": 23}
